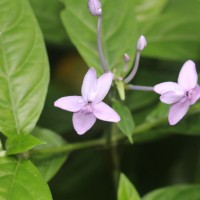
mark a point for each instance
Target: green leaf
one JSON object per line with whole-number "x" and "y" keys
{"x": 126, "y": 190}
{"x": 20, "y": 179}
{"x": 49, "y": 20}
{"x": 119, "y": 32}
{"x": 174, "y": 34}
{"x": 188, "y": 125}
{"x": 21, "y": 143}
{"x": 160, "y": 112}
{"x": 146, "y": 10}
{"x": 24, "y": 68}
{"x": 157, "y": 120}
{"x": 48, "y": 164}
{"x": 187, "y": 192}
{"x": 126, "y": 124}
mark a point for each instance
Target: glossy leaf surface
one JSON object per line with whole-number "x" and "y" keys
{"x": 24, "y": 70}
{"x": 147, "y": 10}
{"x": 174, "y": 34}
{"x": 126, "y": 190}
{"x": 126, "y": 124}
{"x": 48, "y": 16}
{"x": 21, "y": 143}
{"x": 119, "y": 31}
{"x": 20, "y": 179}
{"x": 175, "y": 193}
{"x": 48, "y": 163}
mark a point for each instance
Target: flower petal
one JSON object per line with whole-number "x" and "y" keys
{"x": 89, "y": 85}
{"x": 103, "y": 85}
{"x": 164, "y": 87}
{"x": 195, "y": 95}
{"x": 177, "y": 111}
{"x": 70, "y": 103}
{"x": 171, "y": 97}
{"x": 82, "y": 122}
{"x": 104, "y": 112}
{"x": 188, "y": 76}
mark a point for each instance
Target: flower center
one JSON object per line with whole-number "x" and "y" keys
{"x": 87, "y": 109}
{"x": 188, "y": 94}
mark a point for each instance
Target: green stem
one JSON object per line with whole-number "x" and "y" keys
{"x": 70, "y": 147}
{"x": 103, "y": 142}
{"x": 115, "y": 157}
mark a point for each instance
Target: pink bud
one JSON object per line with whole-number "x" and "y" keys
{"x": 95, "y": 7}
{"x": 126, "y": 57}
{"x": 141, "y": 43}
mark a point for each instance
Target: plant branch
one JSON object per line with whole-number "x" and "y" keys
{"x": 102, "y": 142}
{"x": 70, "y": 147}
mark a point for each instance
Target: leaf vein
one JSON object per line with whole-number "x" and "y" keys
{"x": 10, "y": 91}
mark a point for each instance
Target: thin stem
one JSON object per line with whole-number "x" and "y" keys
{"x": 98, "y": 142}
{"x": 135, "y": 68}
{"x": 139, "y": 87}
{"x": 70, "y": 147}
{"x": 125, "y": 68}
{"x": 126, "y": 62}
{"x": 99, "y": 44}
{"x": 102, "y": 142}
{"x": 115, "y": 157}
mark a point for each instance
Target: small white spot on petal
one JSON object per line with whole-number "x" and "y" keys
{"x": 80, "y": 101}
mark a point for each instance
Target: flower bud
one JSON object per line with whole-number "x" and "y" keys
{"x": 126, "y": 58}
{"x": 141, "y": 43}
{"x": 95, "y": 7}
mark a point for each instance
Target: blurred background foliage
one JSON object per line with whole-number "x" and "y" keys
{"x": 159, "y": 157}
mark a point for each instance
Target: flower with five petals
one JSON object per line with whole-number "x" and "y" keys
{"x": 182, "y": 94}
{"x": 89, "y": 107}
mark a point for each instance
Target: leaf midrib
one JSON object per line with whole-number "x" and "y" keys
{"x": 13, "y": 180}
{"x": 5, "y": 65}
{"x": 7, "y": 76}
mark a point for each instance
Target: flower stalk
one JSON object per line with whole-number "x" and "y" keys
{"x": 134, "y": 70}
{"x": 99, "y": 44}
{"x": 102, "y": 142}
{"x": 141, "y": 44}
{"x": 139, "y": 87}
{"x": 126, "y": 62}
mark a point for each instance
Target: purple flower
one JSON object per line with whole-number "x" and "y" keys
{"x": 89, "y": 106}
{"x": 182, "y": 94}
